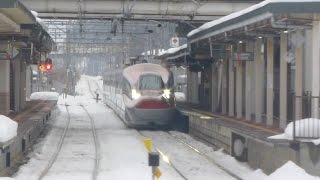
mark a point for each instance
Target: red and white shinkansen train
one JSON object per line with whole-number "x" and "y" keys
{"x": 148, "y": 96}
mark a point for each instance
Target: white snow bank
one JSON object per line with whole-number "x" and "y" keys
{"x": 288, "y": 171}
{"x": 239, "y": 13}
{"x": 180, "y": 96}
{"x": 44, "y": 96}
{"x": 308, "y": 128}
{"x": 316, "y": 142}
{"x": 291, "y": 171}
{"x": 8, "y": 128}
{"x": 6, "y": 178}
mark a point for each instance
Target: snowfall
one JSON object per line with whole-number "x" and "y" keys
{"x": 121, "y": 151}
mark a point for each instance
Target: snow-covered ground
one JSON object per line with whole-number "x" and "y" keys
{"x": 121, "y": 152}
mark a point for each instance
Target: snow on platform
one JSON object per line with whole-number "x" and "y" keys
{"x": 8, "y": 129}
{"x": 308, "y": 128}
{"x": 44, "y": 96}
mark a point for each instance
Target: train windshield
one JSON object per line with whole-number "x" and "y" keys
{"x": 151, "y": 82}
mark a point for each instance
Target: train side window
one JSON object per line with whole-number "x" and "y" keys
{"x": 126, "y": 89}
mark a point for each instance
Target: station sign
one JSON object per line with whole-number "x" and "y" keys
{"x": 244, "y": 56}
{"x": 174, "y": 42}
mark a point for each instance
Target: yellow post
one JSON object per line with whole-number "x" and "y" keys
{"x": 157, "y": 173}
{"x": 148, "y": 144}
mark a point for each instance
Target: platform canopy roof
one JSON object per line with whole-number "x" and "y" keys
{"x": 184, "y": 10}
{"x": 173, "y": 53}
{"x": 175, "y": 56}
{"x": 12, "y": 14}
{"x": 265, "y": 18}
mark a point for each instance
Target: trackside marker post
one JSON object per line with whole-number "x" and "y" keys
{"x": 153, "y": 158}
{"x": 148, "y": 144}
{"x": 157, "y": 173}
{"x": 154, "y": 163}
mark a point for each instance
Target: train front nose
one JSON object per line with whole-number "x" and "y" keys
{"x": 153, "y": 104}
{"x": 150, "y": 93}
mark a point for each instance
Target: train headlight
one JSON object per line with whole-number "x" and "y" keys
{"x": 166, "y": 93}
{"x": 135, "y": 94}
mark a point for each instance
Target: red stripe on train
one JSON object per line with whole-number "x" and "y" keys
{"x": 152, "y": 104}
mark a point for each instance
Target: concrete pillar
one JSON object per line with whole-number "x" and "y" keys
{"x": 259, "y": 81}
{"x": 28, "y": 81}
{"x": 4, "y": 87}
{"x": 307, "y": 64}
{"x": 239, "y": 85}
{"x": 195, "y": 87}
{"x": 231, "y": 84}
{"x": 224, "y": 87}
{"x": 249, "y": 84}
{"x": 189, "y": 86}
{"x": 16, "y": 89}
{"x": 315, "y": 68}
{"x": 214, "y": 87}
{"x": 23, "y": 85}
{"x": 298, "y": 80}
{"x": 283, "y": 80}
{"x": 270, "y": 62}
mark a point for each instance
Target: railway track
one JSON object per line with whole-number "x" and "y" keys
{"x": 169, "y": 162}
{"x": 194, "y": 149}
{"x": 207, "y": 157}
{"x": 97, "y": 145}
{"x": 57, "y": 151}
{"x": 54, "y": 157}
{"x": 163, "y": 157}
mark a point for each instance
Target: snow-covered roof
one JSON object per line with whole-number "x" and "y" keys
{"x": 271, "y": 6}
{"x": 172, "y": 50}
{"x": 153, "y": 52}
{"x": 132, "y": 73}
{"x": 39, "y": 20}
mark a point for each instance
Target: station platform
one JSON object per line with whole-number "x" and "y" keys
{"x": 31, "y": 123}
{"x": 248, "y": 141}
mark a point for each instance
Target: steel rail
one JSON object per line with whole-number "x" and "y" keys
{"x": 57, "y": 151}
{"x": 206, "y": 157}
{"x": 163, "y": 155}
{"x": 97, "y": 145}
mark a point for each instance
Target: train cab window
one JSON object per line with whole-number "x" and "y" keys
{"x": 151, "y": 82}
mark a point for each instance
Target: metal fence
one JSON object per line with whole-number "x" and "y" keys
{"x": 304, "y": 107}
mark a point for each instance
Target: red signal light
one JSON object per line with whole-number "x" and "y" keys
{"x": 48, "y": 66}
